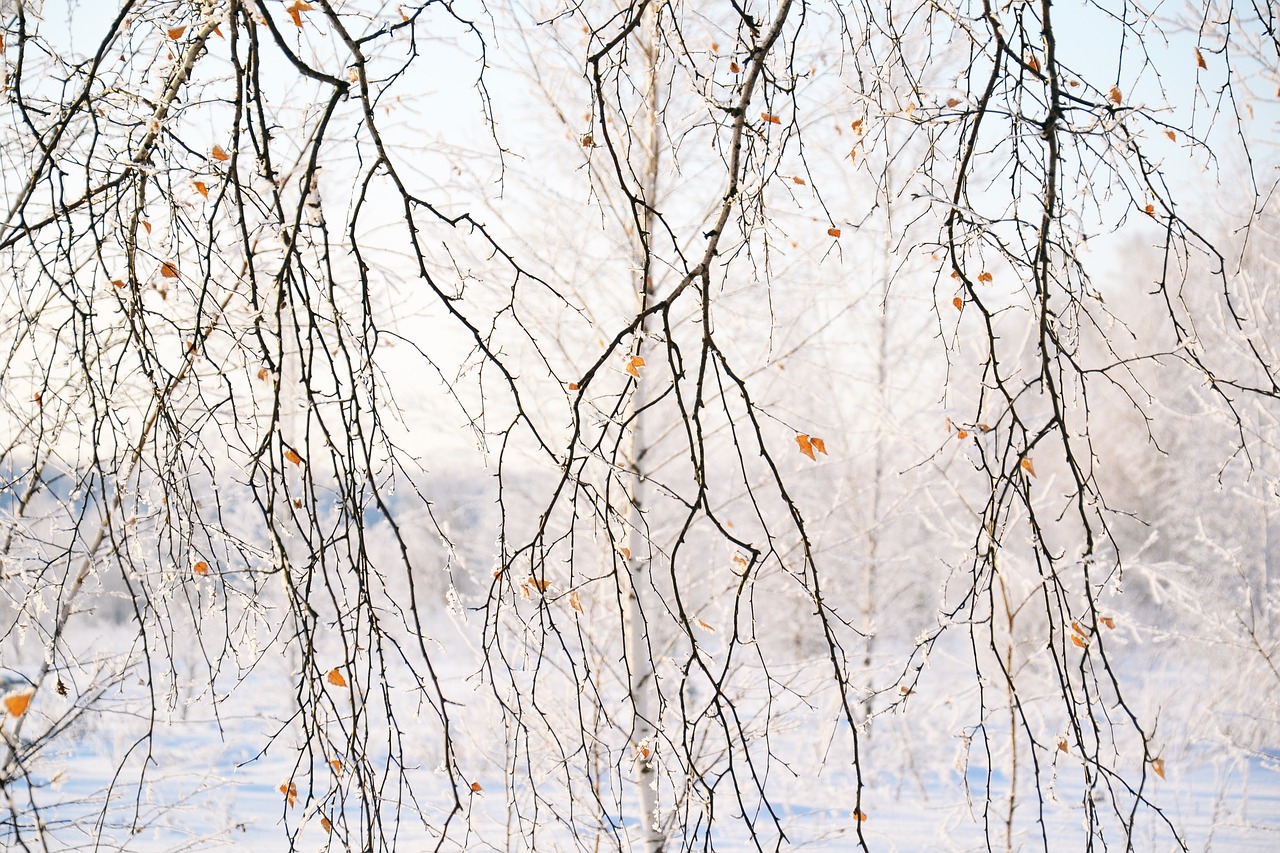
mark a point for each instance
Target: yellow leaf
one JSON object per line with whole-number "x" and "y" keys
{"x": 806, "y": 445}
{"x": 1201, "y": 63}
{"x": 176, "y": 33}
{"x": 325, "y": 825}
{"x": 1028, "y": 467}
{"x": 575, "y": 602}
{"x": 201, "y": 568}
{"x": 833, "y": 232}
{"x": 292, "y": 456}
{"x": 336, "y": 679}
{"x": 634, "y": 364}
{"x": 1157, "y": 764}
{"x": 1116, "y": 95}
{"x": 168, "y": 270}
{"x": 220, "y": 155}
{"x": 771, "y": 118}
{"x": 818, "y": 444}
{"x": 201, "y": 188}
{"x": 17, "y": 703}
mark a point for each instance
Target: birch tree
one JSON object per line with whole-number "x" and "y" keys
{"x": 287, "y": 279}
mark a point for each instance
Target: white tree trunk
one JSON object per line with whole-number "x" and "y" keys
{"x": 639, "y": 645}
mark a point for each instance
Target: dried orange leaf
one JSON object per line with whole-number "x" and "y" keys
{"x": 168, "y": 270}
{"x": 962, "y": 434}
{"x": 201, "y": 568}
{"x": 634, "y": 364}
{"x": 290, "y": 792}
{"x": 1200, "y": 59}
{"x": 857, "y": 126}
{"x": 17, "y": 703}
{"x": 797, "y": 180}
{"x": 201, "y": 188}
{"x": 336, "y": 764}
{"x": 1075, "y": 638}
{"x": 818, "y": 444}
{"x": 1033, "y": 64}
{"x": 263, "y": 374}
{"x": 626, "y": 553}
{"x": 575, "y": 602}
{"x": 573, "y": 386}
{"x": 704, "y": 626}
{"x": 952, "y": 102}
{"x": 335, "y": 678}
{"x": 292, "y": 456}
{"x": 1157, "y": 764}
{"x": 1075, "y": 626}
{"x": 220, "y": 155}
{"x": 1116, "y": 95}
{"x": 771, "y": 118}
{"x": 859, "y": 816}
{"x": 1108, "y": 621}
{"x": 325, "y": 825}
{"x": 806, "y": 445}
{"x": 475, "y": 787}
{"x": 984, "y": 277}
{"x": 176, "y": 33}
{"x": 1062, "y": 744}
{"x": 117, "y": 282}
{"x": 959, "y": 303}
{"x": 1173, "y": 137}
{"x": 541, "y": 586}
{"x": 295, "y": 11}
{"x": 733, "y": 66}
{"x": 1028, "y": 467}
{"x": 905, "y": 690}
{"x": 145, "y": 224}
{"x": 1150, "y": 210}
{"x": 833, "y": 232}
{"x": 217, "y": 31}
